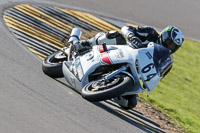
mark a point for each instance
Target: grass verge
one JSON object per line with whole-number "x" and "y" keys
{"x": 178, "y": 94}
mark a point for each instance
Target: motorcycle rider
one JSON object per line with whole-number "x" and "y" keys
{"x": 170, "y": 37}
{"x": 139, "y": 37}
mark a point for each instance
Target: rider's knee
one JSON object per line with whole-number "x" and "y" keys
{"x": 110, "y": 38}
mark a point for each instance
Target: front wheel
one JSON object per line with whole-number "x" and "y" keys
{"x": 52, "y": 64}
{"x": 102, "y": 90}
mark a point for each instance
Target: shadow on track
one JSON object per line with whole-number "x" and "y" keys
{"x": 128, "y": 120}
{"x": 132, "y": 117}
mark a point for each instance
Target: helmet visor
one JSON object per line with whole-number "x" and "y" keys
{"x": 169, "y": 44}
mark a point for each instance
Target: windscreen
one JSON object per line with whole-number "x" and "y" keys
{"x": 162, "y": 60}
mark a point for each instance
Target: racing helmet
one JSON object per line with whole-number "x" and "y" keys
{"x": 171, "y": 38}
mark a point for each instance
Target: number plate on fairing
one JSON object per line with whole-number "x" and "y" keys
{"x": 147, "y": 68}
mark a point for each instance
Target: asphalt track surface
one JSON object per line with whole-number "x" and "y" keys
{"x": 32, "y": 102}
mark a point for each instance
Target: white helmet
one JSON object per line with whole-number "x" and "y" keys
{"x": 171, "y": 38}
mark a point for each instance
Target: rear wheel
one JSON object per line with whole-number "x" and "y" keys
{"x": 132, "y": 102}
{"x": 52, "y": 64}
{"x": 102, "y": 90}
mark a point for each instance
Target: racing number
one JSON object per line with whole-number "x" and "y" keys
{"x": 146, "y": 69}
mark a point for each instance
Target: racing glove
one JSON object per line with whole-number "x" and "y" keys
{"x": 135, "y": 41}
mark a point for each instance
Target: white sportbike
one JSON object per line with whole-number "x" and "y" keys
{"x": 104, "y": 72}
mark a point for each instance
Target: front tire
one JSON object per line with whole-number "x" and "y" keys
{"x": 101, "y": 90}
{"x": 52, "y": 64}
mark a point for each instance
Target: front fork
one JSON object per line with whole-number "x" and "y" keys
{"x": 121, "y": 100}
{"x": 120, "y": 70}
{"x": 65, "y": 50}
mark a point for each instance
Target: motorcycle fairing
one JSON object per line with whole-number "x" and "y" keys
{"x": 78, "y": 71}
{"x": 147, "y": 67}
{"x": 105, "y": 58}
{"x": 70, "y": 77}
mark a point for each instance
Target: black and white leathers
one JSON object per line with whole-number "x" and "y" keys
{"x": 145, "y": 33}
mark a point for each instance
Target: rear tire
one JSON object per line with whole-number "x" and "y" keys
{"x": 132, "y": 102}
{"x": 52, "y": 64}
{"x": 107, "y": 90}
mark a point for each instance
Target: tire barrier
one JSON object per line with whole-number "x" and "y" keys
{"x": 43, "y": 29}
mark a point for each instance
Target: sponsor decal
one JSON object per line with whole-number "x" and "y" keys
{"x": 79, "y": 71}
{"x": 101, "y": 48}
{"x": 149, "y": 55}
{"x": 105, "y": 58}
{"x": 121, "y": 54}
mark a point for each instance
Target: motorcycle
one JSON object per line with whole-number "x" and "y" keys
{"x": 109, "y": 71}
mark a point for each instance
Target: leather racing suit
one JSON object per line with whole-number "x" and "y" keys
{"x": 145, "y": 33}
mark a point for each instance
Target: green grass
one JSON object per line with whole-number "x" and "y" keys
{"x": 178, "y": 94}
